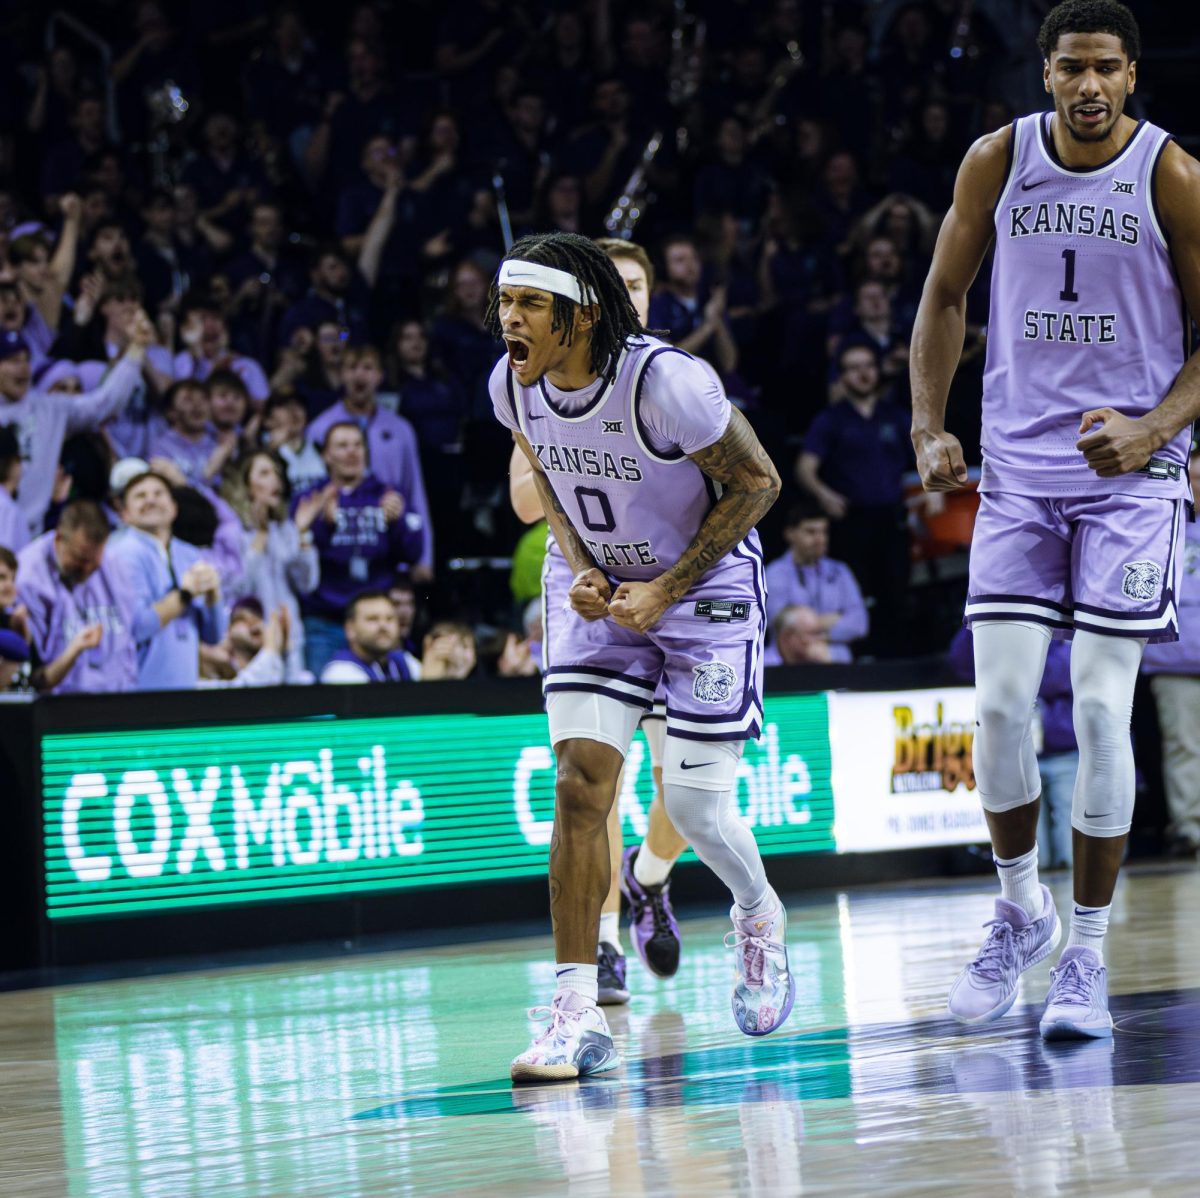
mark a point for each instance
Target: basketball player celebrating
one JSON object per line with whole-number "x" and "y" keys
{"x": 1086, "y": 399}
{"x": 652, "y": 484}
{"x": 643, "y": 871}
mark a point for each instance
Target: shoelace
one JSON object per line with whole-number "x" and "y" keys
{"x": 997, "y": 953}
{"x": 658, "y": 912}
{"x": 754, "y": 954}
{"x": 1072, "y": 982}
{"x": 559, "y": 1019}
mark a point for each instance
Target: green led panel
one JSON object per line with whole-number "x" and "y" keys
{"x": 163, "y": 819}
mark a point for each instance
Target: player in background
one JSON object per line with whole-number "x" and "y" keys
{"x": 652, "y": 483}
{"x": 1087, "y": 398}
{"x": 642, "y": 872}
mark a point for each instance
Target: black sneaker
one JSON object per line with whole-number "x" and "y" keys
{"x": 655, "y": 932}
{"x": 610, "y": 976}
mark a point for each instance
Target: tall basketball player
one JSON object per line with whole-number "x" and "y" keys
{"x": 642, "y": 871}
{"x": 1088, "y": 393}
{"x": 652, "y": 483}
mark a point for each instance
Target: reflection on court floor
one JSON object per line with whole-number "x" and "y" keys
{"x": 388, "y": 1074}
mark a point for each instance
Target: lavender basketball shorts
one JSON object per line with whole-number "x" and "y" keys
{"x": 1106, "y": 564}
{"x": 710, "y": 672}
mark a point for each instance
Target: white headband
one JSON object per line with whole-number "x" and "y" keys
{"x": 519, "y": 273}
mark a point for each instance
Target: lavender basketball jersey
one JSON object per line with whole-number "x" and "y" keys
{"x": 616, "y": 456}
{"x": 1085, "y": 313}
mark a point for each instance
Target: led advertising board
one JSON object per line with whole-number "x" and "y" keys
{"x": 163, "y": 819}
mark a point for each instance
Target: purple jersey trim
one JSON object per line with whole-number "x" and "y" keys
{"x": 621, "y": 696}
{"x": 586, "y": 410}
{"x": 1048, "y": 146}
{"x": 644, "y": 435}
{"x": 602, "y": 672}
{"x": 1010, "y": 162}
{"x": 1019, "y": 599}
{"x": 753, "y": 732}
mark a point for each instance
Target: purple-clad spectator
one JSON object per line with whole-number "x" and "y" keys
{"x": 1058, "y": 757}
{"x": 337, "y": 293}
{"x": 278, "y": 553}
{"x": 362, "y": 532}
{"x": 43, "y": 422}
{"x": 190, "y": 441}
{"x": 80, "y": 614}
{"x": 95, "y": 337}
{"x": 285, "y": 429}
{"x": 391, "y": 441}
{"x": 14, "y": 529}
{"x": 19, "y": 317}
{"x": 691, "y": 314}
{"x": 805, "y": 576}
{"x": 43, "y": 276}
{"x": 174, "y": 588}
{"x": 372, "y": 652}
{"x": 205, "y": 335}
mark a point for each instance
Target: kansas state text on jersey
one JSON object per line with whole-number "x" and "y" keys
{"x": 1085, "y": 313}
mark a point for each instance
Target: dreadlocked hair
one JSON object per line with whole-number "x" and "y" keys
{"x": 616, "y": 321}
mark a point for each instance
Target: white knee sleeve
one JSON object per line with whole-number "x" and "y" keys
{"x": 698, "y": 788}
{"x": 701, "y": 764}
{"x": 1104, "y": 671}
{"x": 1009, "y": 659}
{"x": 581, "y": 715}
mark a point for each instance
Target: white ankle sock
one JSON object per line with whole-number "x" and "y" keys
{"x": 610, "y": 929}
{"x": 649, "y": 869}
{"x": 1088, "y": 926}
{"x": 581, "y": 978}
{"x": 764, "y": 906}
{"x": 1019, "y": 881}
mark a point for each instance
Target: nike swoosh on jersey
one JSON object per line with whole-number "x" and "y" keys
{"x": 1031, "y": 186}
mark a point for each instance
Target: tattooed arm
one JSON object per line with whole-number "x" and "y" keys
{"x": 590, "y": 591}
{"x": 751, "y": 485}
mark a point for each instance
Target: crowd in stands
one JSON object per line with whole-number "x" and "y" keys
{"x": 244, "y": 429}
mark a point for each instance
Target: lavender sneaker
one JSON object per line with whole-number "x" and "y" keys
{"x": 655, "y": 932}
{"x": 764, "y": 990}
{"x": 1077, "y": 1005}
{"x": 610, "y": 976}
{"x": 987, "y": 988}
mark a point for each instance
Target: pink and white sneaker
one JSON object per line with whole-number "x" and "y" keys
{"x": 764, "y": 989}
{"x": 575, "y": 1044}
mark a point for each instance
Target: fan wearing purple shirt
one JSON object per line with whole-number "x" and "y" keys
{"x": 80, "y": 616}
{"x": 391, "y": 441}
{"x": 363, "y": 531}
{"x": 175, "y": 590}
{"x": 807, "y": 577}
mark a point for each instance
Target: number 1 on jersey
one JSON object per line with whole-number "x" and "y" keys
{"x": 1068, "y": 292}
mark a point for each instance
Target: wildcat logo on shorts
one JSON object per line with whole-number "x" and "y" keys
{"x": 714, "y": 682}
{"x": 1142, "y": 580}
